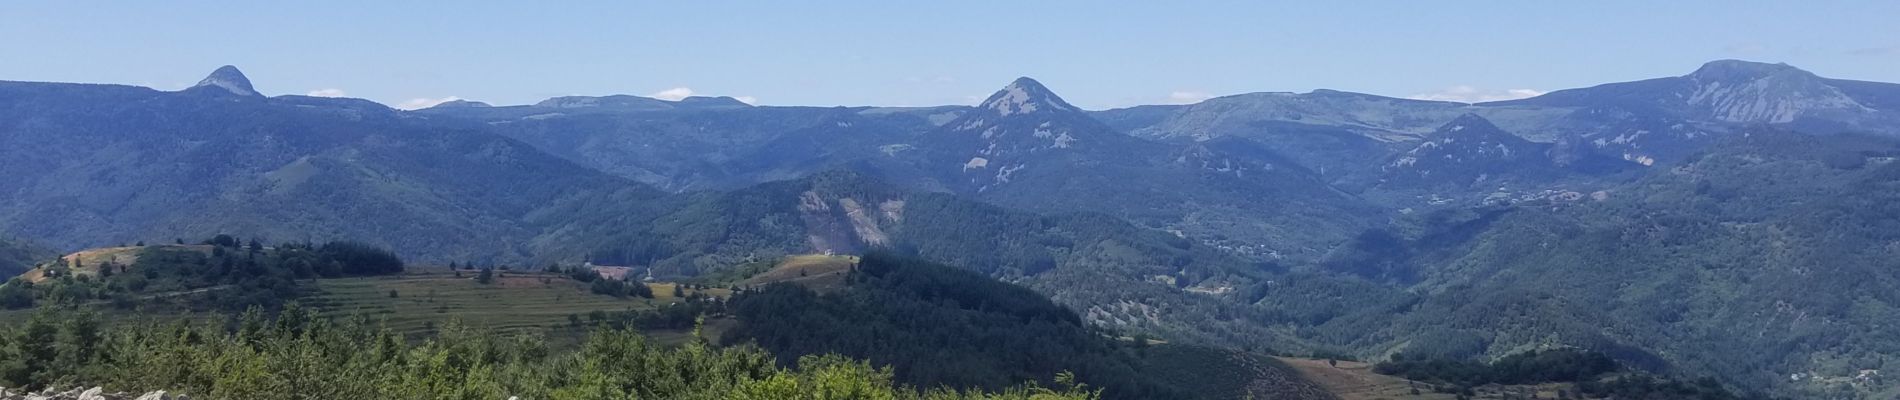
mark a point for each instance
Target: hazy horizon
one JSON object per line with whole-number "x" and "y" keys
{"x": 872, "y": 54}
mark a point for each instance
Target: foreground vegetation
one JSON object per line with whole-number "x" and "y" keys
{"x": 299, "y": 355}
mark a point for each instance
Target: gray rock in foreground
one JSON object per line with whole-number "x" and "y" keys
{"x": 94, "y": 393}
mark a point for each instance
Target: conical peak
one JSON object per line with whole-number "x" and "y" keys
{"x": 229, "y": 79}
{"x": 1024, "y": 96}
{"x": 1469, "y": 123}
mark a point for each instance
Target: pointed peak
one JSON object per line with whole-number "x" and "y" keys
{"x": 1738, "y": 70}
{"x": 1024, "y": 96}
{"x": 1028, "y": 83}
{"x": 1471, "y": 123}
{"x": 230, "y": 79}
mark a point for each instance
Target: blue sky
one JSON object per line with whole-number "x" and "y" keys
{"x": 1095, "y": 54}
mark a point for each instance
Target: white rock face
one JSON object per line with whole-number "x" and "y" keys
{"x": 229, "y": 79}
{"x": 976, "y": 163}
{"x": 95, "y": 393}
{"x": 1768, "y": 100}
{"x": 1737, "y": 91}
{"x": 1024, "y": 96}
{"x": 1014, "y": 101}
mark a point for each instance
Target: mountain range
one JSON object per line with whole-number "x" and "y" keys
{"x": 1639, "y": 218}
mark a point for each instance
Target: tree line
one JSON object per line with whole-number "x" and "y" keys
{"x": 1596, "y": 375}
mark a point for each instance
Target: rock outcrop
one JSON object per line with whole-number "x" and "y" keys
{"x": 94, "y": 393}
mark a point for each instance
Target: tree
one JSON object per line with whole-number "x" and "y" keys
{"x": 16, "y": 294}
{"x": 361, "y": 259}
{"x": 487, "y": 276}
{"x": 678, "y": 292}
{"x": 79, "y": 341}
{"x": 33, "y": 354}
{"x": 611, "y": 288}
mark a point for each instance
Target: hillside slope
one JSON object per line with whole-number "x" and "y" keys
{"x": 17, "y": 257}
{"x": 1117, "y": 274}
{"x": 941, "y": 326}
{"x": 1026, "y": 147}
{"x": 91, "y": 165}
{"x": 1774, "y": 242}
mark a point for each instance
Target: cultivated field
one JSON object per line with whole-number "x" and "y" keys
{"x": 1352, "y": 380}
{"x": 815, "y": 271}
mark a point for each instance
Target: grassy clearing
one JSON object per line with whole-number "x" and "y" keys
{"x": 1352, "y": 380}
{"x": 1228, "y": 374}
{"x": 821, "y": 273}
{"x": 663, "y": 291}
{"x": 89, "y": 260}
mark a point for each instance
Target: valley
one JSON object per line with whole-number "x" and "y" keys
{"x": 1664, "y": 223}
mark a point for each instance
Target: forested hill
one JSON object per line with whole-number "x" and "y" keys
{"x": 95, "y": 165}
{"x": 16, "y": 257}
{"x": 942, "y": 326}
{"x": 1711, "y": 243}
{"x": 1776, "y": 242}
{"x": 1113, "y": 272}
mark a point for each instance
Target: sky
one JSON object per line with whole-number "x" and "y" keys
{"x": 900, "y": 53}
